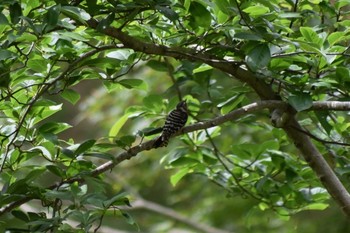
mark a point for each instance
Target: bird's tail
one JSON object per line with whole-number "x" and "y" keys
{"x": 159, "y": 142}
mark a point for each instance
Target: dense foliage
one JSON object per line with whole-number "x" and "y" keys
{"x": 267, "y": 84}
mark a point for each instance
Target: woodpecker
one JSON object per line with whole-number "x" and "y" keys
{"x": 173, "y": 123}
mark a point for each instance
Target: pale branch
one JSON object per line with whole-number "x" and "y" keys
{"x": 331, "y": 105}
{"x": 165, "y": 211}
{"x": 126, "y": 155}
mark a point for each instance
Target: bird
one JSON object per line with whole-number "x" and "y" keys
{"x": 175, "y": 120}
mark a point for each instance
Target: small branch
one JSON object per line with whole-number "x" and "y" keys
{"x": 154, "y": 207}
{"x": 320, "y": 139}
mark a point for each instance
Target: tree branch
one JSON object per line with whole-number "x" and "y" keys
{"x": 154, "y": 207}
{"x": 316, "y": 161}
{"x": 265, "y": 92}
{"x": 234, "y": 115}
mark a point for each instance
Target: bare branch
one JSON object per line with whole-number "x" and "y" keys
{"x": 154, "y": 207}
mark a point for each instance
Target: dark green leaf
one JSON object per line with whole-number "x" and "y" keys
{"x": 259, "y": 57}
{"x": 52, "y": 16}
{"x": 224, "y": 6}
{"x": 53, "y": 127}
{"x": 56, "y": 170}
{"x": 153, "y": 102}
{"x": 168, "y": 12}
{"x": 15, "y": 12}
{"x": 300, "y": 102}
{"x": 20, "y": 215}
{"x": 128, "y": 218}
{"x": 200, "y": 15}
{"x": 322, "y": 117}
{"x": 70, "y": 95}
{"x": 76, "y": 13}
{"x": 311, "y": 36}
{"x": 118, "y": 199}
{"x": 125, "y": 141}
{"x": 6, "y": 54}
{"x": 85, "y": 146}
{"x": 158, "y": 65}
{"x": 248, "y": 36}
{"x": 106, "y": 22}
{"x": 134, "y": 83}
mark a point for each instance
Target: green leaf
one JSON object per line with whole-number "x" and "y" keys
{"x": 56, "y": 170}
{"x": 158, "y": 65}
{"x": 119, "y": 199}
{"x": 134, "y": 83}
{"x": 316, "y": 206}
{"x": 76, "y": 13}
{"x": 336, "y": 37}
{"x": 322, "y": 117}
{"x": 3, "y": 19}
{"x": 342, "y": 74}
{"x": 124, "y": 141}
{"x": 114, "y": 131}
{"x": 200, "y": 16}
{"x": 174, "y": 179}
{"x": 224, "y": 6}
{"x": 168, "y": 12}
{"x": 121, "y": 54}
{"x": 15, "y": 12}
{"x": 53, "y": 127}
{"x": 71, "y": 96}
{"x": 20, "y": 215}
{"x": 311, "y": 36}
{"x": 259, "y": 57}
{"x": 106, "y": 22}
{"x": 187, "y": 5}
{"x": 128, "y": 218}
{"x": 6, "y": 54}
{"x": 45, "y": 152}
{"x": 52, "y": 16}
{"x": 41, "y": 112}
{"x": 84, "y": 146}
{"x": 300, "y": 102}
{"x": 248, "y": 36}
{"x": 256, "y": 10}
{"x": 202, "y": 68}
{"x": 37, "y": 65}
{"x": 231, "y": 103}
{"x": 153, "y": 102}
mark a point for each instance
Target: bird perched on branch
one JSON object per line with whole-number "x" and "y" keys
{"x": 173, "y": 123}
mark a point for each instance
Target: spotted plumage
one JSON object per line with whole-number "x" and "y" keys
{"x": 173, "y": 123}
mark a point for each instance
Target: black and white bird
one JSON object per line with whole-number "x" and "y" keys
{"x": 173, "y": 123}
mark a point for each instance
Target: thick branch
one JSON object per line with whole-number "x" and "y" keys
{"x": 236, "y": 114}
{"x": 319, "y": 164}
{"x": 230, "y": 67}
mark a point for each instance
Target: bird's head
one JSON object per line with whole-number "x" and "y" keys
{"x": 182, "y": 106}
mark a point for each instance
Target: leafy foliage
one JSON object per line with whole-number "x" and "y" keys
{"x": 148, "y": 55}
